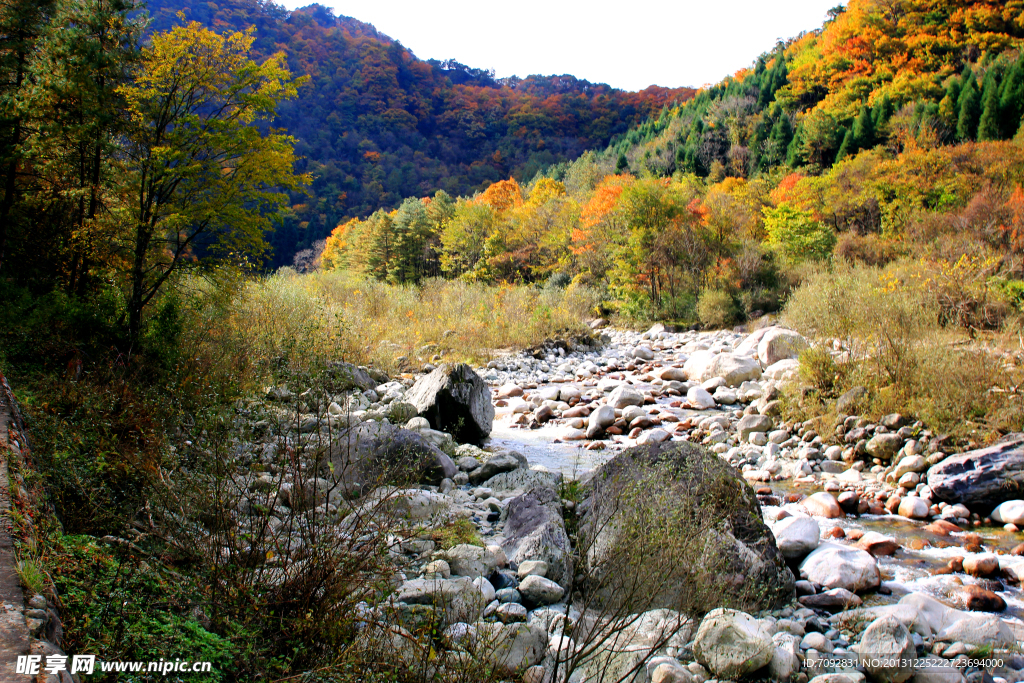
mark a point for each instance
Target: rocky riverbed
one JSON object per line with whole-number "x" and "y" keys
{"x": 879, "y": 553}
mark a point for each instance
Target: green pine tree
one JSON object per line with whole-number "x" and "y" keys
{"x": 846, "y": 147}
{"x": 989, "y": 127}
{"x": 970, "y": 112}
{"x": 1011, "y": 100}
{"x": 622, "y": 164}
{"x": 880, "y": 115}
{"x": 863, "y": 130}
{"x": 794, "y": 152}
{"x": 380, "y": 253}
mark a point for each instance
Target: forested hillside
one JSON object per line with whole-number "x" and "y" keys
{"x": 375, "y": 124}
{"x": 883, "y": 136}
{"x": 877, "y": 72}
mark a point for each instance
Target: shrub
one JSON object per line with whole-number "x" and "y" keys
{"x": 716, "y": 309}
{"x": 891, "y": 324}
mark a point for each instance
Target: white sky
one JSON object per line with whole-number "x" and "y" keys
{"x": 629, "y": 45}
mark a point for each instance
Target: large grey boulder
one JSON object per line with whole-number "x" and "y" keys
{"x": 734, "y": 369}
{"x": 778, "y": 343}
{"x": 753, "y": 423}
{"x": 373, "y": 453}
{"x": 456, "y": 400}
{"x": 625, "y": 395}
{"x": 727, "y": 551}
{"x": 456, "y": 600}
{"x": 344, "y": 376}
{"x": 493, "y": 466}
{"x": 732, "y": 644}
{"x": 982, "y": 478}
{"x": 469, "y": 560}
{"x": 535, "y": 530}
{"x": 508, "y": 647}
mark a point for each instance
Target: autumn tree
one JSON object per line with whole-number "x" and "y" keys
{"x": 77, "y": 74}
{"x": 796, "y": 234}
{"x": 21, "y": 24}
{"x": 201, "y": 174}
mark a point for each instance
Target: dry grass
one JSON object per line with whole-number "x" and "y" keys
{"x": 294, "y": 322}
{"x": 908, "y": 350}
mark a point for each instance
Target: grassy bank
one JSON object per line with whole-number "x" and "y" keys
{"x": 933, "y": 339}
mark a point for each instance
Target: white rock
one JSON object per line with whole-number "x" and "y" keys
{"x": 796, "y": 536}
{"x": 780, "y": 344}
{"x": 734, "y": 369}
{"x": 783, "y": 370}
{"x": 1010, "y": 512}
{"x": 911, "y": 463}
{"x": 837, "y": 566}
{"x": 625, "y": 395}
{"x": 699, "y": 398}
{"x": 913, "y": 507}
{"x": 887, "y": 651}
{"x": 653, "y": 436}
{"x": 731, "y": 644}
{"x": 603, "y": 416}
{"x": 537, "y": 590}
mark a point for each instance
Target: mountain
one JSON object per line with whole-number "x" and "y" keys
{"x": 376, "y": 124}
{"x": 877, "y": 71}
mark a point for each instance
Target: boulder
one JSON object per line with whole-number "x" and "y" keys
{"x": 457, "y": 600}
{"x": 911, "y": 463}
{"x": 753, "y": 423}
{"x": 702, "y": 499}
{"x": 697, "y": 365}
{"x": 454, "y": 399}
{"x": 979, "y": 629}
{"x": 537, "y": 590}
{"x": 508, "y": 647}
{"x": 699, "y": 398}
{"x": 534, "y": 530}
{"x": 835, "y": 599}
{"x": 823, "y": 504}
{"x": 493, "y": 466}
{"x": 378, "y": 453}
{"x": 732, "y": 644}
{"x": 981, "y": 565}
{"x": 783, "y": 370}
{"x": 345, "y": 376}
{"x": 981, "y": 479}
{"x": 522, "y": 479}
{"x": 1009, "y": 512}
{"x": 784, "y": 662}
{"x": 734, "y": 369}
{"x": 977, "y": 599}
{"x": 671, "y": 374}
{"x": 778, "y": 343}
{"x": 913, "y": 507}
{"x": 884, "y": 446}
{"x": 836, "y": 566}
{"x": 852, "y": 400}
{"x": 603, "y": 416}
{"x": 887, "y": 651}
{"x": 625, "y": 395}
{"x": 469, "y": 560}
{"x": 796, "y": 536}
{"x": 877, "y": 544}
